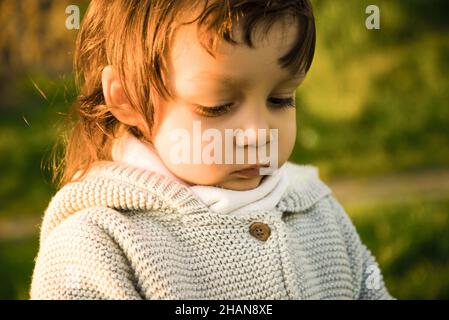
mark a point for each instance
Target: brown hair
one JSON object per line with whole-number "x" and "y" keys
{"x": 133, "y": 36}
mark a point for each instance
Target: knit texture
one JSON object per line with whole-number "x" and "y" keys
{"x": 128, "y": 233}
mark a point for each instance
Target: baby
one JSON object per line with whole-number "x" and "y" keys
{"x": 176, "y": 182}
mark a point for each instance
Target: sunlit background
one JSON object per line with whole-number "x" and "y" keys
{"x": 373, "y": 115}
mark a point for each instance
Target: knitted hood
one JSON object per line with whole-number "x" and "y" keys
{"x": 125, "y": 188}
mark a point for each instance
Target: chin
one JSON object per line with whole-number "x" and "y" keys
{"x": 241, "y": 184}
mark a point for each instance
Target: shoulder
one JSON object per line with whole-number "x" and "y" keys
{"x": 80, "y": 259}
{"x": 83, "y": 239}
{"x": 306, "y": 184}
{"x": 297, "y": 171}
{"x": 305, "y": 188}
{"x": 307, "y": 191}
{"x": 84, "y": 226}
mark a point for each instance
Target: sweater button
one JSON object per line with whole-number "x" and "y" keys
{"x": 260, "y": 231}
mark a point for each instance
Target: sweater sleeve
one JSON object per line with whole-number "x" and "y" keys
{"x": 366, "y": 272}
{"x": 78, "y": 260}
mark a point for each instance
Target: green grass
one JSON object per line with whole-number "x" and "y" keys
{"x": 411, "y": 243}
{"x": 16, "y": 267}
{"x": 375, "y": 102}
{"x": 28, "y": 130}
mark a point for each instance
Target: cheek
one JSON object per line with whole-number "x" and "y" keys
{"x": 287, "y": 135}
{"x": 174, "y": 133}
{"x": 174, "y": 119}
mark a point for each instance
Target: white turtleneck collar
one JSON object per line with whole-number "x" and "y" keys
{"x": 130, "y": 150}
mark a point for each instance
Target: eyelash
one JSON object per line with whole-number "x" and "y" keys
{"x": 223, "y": 109}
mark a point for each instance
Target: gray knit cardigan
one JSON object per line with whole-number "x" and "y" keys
{"x": 128, "y": 233}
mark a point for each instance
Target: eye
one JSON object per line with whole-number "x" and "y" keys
{"x": 283, "y": 102}
{"x": 214, "y": 111}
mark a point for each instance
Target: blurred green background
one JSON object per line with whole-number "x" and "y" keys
{"x": 373, "y": 115}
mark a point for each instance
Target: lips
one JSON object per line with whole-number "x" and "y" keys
{"x": 251, "y": 171}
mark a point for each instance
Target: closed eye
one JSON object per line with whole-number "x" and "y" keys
{"x": 283, "y": 103}
{"x": 216, "y": 111}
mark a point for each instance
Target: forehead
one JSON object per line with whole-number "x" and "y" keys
{"x": 189, "y": 60}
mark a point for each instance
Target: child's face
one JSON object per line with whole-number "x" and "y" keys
{"x": 257, "y": 91}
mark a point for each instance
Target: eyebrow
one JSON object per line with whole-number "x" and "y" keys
{"x": 230, "y": 81}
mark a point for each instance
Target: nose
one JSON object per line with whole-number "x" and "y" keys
{"x": 255, "y": 128}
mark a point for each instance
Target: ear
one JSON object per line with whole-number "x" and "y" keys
{"x": 115, "y": 97}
